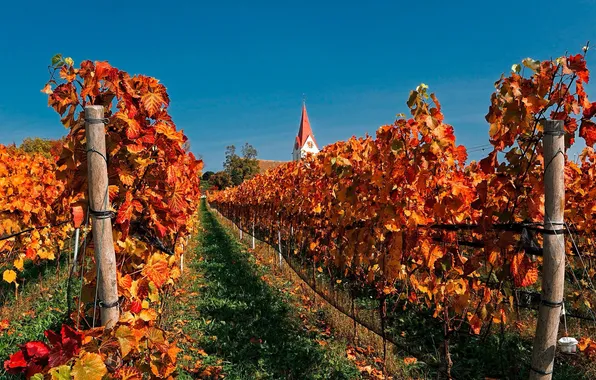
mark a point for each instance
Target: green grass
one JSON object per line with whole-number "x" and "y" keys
{"x": 247, "y": 327}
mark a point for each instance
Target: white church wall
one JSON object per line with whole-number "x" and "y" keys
{"x": 309, "y": 147}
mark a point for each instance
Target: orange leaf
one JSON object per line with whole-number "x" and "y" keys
{"x": 524, "y": 271}
{"x": 410, "y": 360}
{"x": 157, "y": 270}
{"x": 152, "y": 102}
{"x": 475, "y": 324}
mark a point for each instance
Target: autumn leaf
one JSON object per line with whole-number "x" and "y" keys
{"x": 587, "y": 130}
{"x": 47, "y": 89}
{"x": 524, "y": 271}
{"x": 129, "y": 373}
{"x": 60, "y": 373}
{"x": 16, "y": 363}
{"x": 9, "y": 276}
{"x": 89, "y": 366}
{"x": 127, "y": 339}
{"x": 19, "y": 263}
{"x": 410, "y": 360}
{"x": 157, "y": 270}
{"x": 475, "y": 324}
{"x": 152, "y": 102}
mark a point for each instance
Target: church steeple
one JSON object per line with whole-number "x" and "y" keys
{"x": 305, "y": 140}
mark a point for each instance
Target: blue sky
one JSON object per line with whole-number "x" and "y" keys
{"x": 236, "y": 71}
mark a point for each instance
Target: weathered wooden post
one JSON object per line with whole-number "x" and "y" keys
{"x": 105, "y": 257}
{"x": 553, "y": 273}
{"x": 253, "y": 234}
{"x": 279, "y": 244}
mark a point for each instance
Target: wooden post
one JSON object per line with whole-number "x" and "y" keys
{"x": 553, "y": 273}
{"x": 279, "y": 246}
{"x": 105, "y": 257}
{"x": 253, "y": 235}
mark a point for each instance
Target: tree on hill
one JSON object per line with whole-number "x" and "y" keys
{"x": 207, "y": 175}
{"x": 241, "y": 168}
{"x": 47, "y": 147}
{"x": 220, "y": 180}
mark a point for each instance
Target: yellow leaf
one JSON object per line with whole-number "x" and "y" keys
{"x": 391, "y": 227}
{"x": 60, "y": 373}
{"x": 532, "y": 64}
{"x": 320, "y": 269}
{"x": 18, "y": 263}
{"x": 148, "y": 315}
{"x": 153, "y": 292}
{"x": 126, "y": 338}
{"x": 89, "y": 366}
{"x": 46, "y": 254}
{"x": 317, "y": 209}
{"x": 47, "y": 89}
{"x": 9, "y": 276}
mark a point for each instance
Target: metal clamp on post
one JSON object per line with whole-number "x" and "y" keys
{"x": 101, "y": 214}
{"x": 541, "y": 372}
{"x": 558, "y": 231}
{"x": 553, "y": 133}
{"x": 554, "y": 128}
{"x": 104, "y": 120}
{"x": 548, "y": 303}
{"x": 108, "y": 305}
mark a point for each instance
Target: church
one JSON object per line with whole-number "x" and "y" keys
{"x": 304, "y": 143}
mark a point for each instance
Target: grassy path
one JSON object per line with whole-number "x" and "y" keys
{"x": 233, "y": 322}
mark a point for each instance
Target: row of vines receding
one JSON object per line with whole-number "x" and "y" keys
{"x": 405, "y": 212}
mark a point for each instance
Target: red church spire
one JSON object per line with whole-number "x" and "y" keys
{"x": 304, "y": 130}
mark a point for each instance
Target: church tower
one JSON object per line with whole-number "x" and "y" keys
{"x": 305, "y": 141}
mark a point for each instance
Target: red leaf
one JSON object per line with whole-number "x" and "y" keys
{"x": 489, "y": 163}
{"x": 475, "y": 324}
{"x": 136, "y": 307}
{"x": 30, "y": 253}
{"x": 587, "y": 130}
{"x": 161, "y": 229}
{"x": 125, "y": 212}
{"x": 577, "y": 63}
{"x": 77, "y": 216}
{"x": 16, "y": 363}
{"x": 590, "y": 111}
{"x": 64, "y": 346}
{"x": 37, "y": 350}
